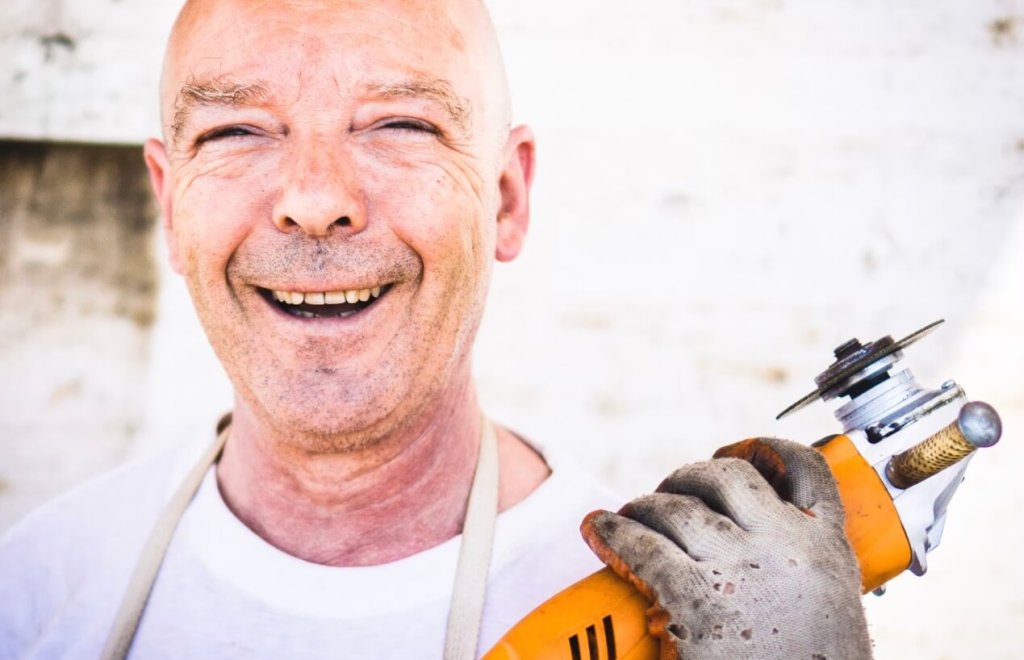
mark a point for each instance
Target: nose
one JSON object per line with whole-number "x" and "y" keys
{"x": 320, "y": 193}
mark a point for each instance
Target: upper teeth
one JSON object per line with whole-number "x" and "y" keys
{"x": 326, "y": 297}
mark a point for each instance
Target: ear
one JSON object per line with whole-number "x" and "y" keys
{"x": 159, "y": 177}
{"x": 514, "y": 185}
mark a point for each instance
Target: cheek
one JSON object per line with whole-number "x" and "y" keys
{"x": 437, "y": 211}
{"x": 215, "y": 210}
{"x": 438, "y": 208}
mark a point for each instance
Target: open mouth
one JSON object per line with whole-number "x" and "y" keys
{"x": 324, "y": 304}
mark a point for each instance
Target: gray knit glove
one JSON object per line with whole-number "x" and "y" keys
{"x": 738, "y": 567}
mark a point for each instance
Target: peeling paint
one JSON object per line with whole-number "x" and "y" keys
{"x": 51, "y": 43}
{"x": 1003, "y": 31}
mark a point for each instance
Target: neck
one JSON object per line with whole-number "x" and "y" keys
{"x": 401, "y": 495}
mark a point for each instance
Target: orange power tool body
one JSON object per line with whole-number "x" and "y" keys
{"x": 900, "y": 458}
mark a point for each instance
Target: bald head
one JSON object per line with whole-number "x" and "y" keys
{"x": 445, "y": 51}
{"x": 360, "y": 147}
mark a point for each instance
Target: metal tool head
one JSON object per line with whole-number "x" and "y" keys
{"x": 858, "y": 367}
{"x": 980, "y": 424}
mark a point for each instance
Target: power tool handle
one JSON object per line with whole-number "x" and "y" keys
{"x": 602, "y": 616}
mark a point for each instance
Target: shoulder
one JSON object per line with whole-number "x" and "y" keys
{"x": 538, "y": 549}
{"x": 570, "y": 486}
{"x": 111, "y": 503}
{"x": 81, "y": 543}
{"x": 548, "y": 519}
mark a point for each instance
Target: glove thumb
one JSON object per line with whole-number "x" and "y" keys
{"x": 798, "y": 473}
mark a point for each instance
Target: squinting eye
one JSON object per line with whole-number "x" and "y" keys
{"x": 225, "y": 132}
{"x": 410, "y": 125}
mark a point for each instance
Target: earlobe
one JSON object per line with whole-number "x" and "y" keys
{"x": 155, "y": 155}
{"x": 516, "y": 177}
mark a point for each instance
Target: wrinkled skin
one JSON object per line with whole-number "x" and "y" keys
{"x": 321, "y": 181}
{"x": 315, "y": 146}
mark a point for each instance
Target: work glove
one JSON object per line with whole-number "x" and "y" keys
{"x": 738, "y": 566}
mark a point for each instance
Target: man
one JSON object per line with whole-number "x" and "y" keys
{"x": 335, "y": 180}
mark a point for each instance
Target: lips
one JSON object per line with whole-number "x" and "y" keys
{"x": 324, "y": 304}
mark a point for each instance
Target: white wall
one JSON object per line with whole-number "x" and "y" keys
{"x": 82, "y": 70}
{"x": 725, "y": 192}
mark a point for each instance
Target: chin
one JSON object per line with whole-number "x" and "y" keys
{"x": 324, "y": 410}
{"x": 327, "y": 420}
{"x": 326, "y": 432}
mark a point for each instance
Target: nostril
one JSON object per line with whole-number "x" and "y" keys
{"x": 313, "y": 227}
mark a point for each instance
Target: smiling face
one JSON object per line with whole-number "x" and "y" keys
{"x": 336, "y": 181}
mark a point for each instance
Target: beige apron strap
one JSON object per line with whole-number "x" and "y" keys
{"x": 469, "y": 591}
{"x": 134, "y": 602}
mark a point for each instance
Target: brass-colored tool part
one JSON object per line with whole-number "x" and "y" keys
{"x": 977, "y": 425}
{"x": 935, "y": 454}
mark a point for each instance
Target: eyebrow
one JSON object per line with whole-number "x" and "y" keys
{"x": 222, "y": 90}
{"x": 232, "y": 92}
{"x": 438, "y": 90}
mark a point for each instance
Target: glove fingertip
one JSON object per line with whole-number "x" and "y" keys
{"x": 592, "y": 521}
{"x": 597, "y": 528}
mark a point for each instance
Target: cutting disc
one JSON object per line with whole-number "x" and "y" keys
{"x": 858, "y": 360}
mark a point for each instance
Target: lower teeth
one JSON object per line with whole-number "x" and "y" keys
{"x": 302, "y": 313}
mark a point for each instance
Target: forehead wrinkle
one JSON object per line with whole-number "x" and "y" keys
{"x": 220, "y": 90}
{"x": 438, "y": 90}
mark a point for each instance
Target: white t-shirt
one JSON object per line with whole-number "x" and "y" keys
{"x": 225, "y": 593}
